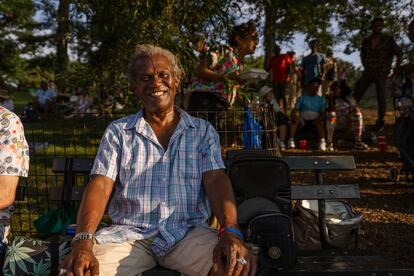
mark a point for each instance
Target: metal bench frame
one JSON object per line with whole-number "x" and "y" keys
{"x": 321, "y": 191}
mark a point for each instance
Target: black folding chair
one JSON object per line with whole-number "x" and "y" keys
{"x": 260, "y": 183}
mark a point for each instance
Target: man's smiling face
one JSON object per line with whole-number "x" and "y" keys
{"x": 155, "y": 83}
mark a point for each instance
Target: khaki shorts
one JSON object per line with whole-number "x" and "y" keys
{"x": 191, "y": 256}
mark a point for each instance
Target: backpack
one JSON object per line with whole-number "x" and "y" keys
{"x": 273, "y": 232}
{"x": 342, "y": 225}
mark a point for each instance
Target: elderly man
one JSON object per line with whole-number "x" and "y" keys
{"x": 44, "y": 99}
{"x": 14, "y": 162}
{"x": 377, "y": 54}
{"x": 170, "y": 172}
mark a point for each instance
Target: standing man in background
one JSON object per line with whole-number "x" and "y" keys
{"x": 313, "y": 65}
{"x": 377, "y": 54}
{"x": 280, "y": 68}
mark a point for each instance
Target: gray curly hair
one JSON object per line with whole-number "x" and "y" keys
{"x": 148, "y": 50}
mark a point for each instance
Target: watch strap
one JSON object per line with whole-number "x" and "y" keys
{"x": 83, "y": 236}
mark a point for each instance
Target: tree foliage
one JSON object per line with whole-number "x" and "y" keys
{"x": 100, "y": 35}
{"x": 329, "y": 21}
{"x": 16, "y": 26}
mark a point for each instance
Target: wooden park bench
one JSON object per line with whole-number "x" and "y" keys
{"x": 329, "y": 260}
{"x": 322, "y": 191}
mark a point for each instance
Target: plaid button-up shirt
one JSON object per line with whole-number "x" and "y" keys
{"x": 159, "y": 194}
{"x": 378, "y": 60}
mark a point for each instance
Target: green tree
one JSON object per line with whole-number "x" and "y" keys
{"x": 316, "y": 19}
{"x": 62, "y": 40}
{"x": 105, "y": 32}
{"x": 16, "y": 25}
{"x": 354, "y": 19}
{"x": 283, "y": 19}
{"x": 351, "y": 72}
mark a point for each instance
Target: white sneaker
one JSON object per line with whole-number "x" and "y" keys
{"x": 330, "y": 147}
{"x": 282, "y": 145}
{"x": 291, "y": 143}
{"x": 322, "y": 145}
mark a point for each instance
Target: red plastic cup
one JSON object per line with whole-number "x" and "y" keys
{"x": 382, "y": 146}
{"x": 381, "y": 139}
{"x": 303, "y": 144}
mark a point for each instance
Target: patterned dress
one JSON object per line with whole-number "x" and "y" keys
{"x": 14, "y": 158}
{"x": 411, "y": 60}
{"x": 222, "y": 59}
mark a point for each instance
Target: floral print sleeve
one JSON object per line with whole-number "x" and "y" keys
{"x": 222, "y": 59}
{"x": 14, "y": 151}
{"x": 14, "y": 160}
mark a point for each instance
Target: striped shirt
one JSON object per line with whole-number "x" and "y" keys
{"x": 159, "y": 193}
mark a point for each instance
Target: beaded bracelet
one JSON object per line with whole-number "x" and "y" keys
{"x": 235, "y": 231}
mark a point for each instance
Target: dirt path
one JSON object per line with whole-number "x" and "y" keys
{"x": 388, "y": 207}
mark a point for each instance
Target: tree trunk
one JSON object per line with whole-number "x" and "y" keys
{"x": 269, "y": 30}
{"x": 62, "y": 39}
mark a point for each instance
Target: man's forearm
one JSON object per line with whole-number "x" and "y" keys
{"x": 93, "y": 204}
{"x": 208, "y": 74}
{"x": 9, "y": 184}
{"x": 220, "y": 194}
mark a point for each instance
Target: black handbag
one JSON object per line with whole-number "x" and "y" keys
{"x": 273, "y": 232}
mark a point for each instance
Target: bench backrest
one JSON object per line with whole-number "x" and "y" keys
{"x": 322, "y": 163}
{"x": 70, "y": 167}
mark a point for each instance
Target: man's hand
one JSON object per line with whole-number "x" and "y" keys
{"x": 81, "y": 261}
{"x": 225, "y": 255}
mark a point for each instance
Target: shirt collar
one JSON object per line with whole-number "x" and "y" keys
{"x": 137, "y": 121}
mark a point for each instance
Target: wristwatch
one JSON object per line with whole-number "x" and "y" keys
{"x": 82, "y": 236}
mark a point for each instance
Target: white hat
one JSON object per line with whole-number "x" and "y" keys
{"x": 264, "y": 90}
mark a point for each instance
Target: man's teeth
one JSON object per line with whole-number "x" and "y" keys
{"x": 157, "y": 94}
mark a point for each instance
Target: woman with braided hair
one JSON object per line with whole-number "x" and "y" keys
{"x": 216, "y": 81}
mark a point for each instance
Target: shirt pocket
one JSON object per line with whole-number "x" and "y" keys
{"x": 190, "y": 165}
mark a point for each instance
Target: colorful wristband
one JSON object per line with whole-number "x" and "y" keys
{"x": 235, "y": 231}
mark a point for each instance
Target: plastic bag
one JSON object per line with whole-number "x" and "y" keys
{"x": 342, "y": 223}
{"x": 55, "y": 221}
{"x": 252, "y": 131}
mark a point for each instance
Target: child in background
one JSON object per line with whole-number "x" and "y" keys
{"x": 282, "y": 121}
{"x": 348, "y": 114}
{"x": 82, "y": 102}
{"x": 311, "y": 108}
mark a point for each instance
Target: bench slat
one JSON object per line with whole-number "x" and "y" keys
{"x": 325, "y": 163}
{"x": 55, "y": 193}
{"x": 344, "y": 191}
{"x": 78, "y": 165}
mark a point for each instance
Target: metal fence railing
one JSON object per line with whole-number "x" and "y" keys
{"x": 80, "y": 137}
